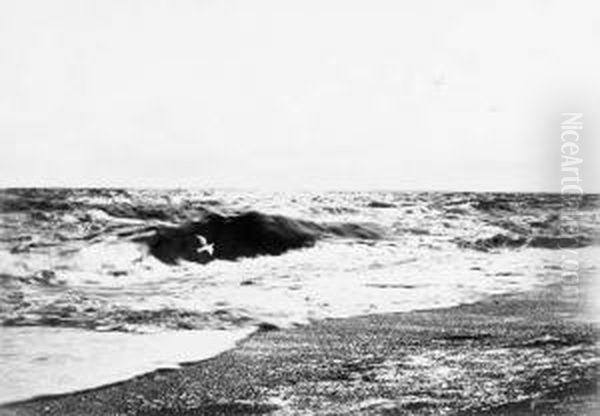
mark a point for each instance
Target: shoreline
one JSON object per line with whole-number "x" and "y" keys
{"x": 507, "y": 354}
{"x": 52, "y": 361}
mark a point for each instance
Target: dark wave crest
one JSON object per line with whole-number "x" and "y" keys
{"x": 535, "y": 241}
{"x": 551, "y": 221}
{"x": 248, "y": 234}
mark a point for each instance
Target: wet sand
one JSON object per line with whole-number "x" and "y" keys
{"x": 526, "y": 353}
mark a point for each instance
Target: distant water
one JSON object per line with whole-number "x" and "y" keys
{"x": 91, "y": 277}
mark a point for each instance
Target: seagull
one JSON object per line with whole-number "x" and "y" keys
{"x": 204, "y": 246}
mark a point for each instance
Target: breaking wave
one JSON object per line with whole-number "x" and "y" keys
{"x": 135, "y": 267}
{"x": 248, "y": 234}
{"x": 529, "y": 220}
{"x": 89, "y": 314}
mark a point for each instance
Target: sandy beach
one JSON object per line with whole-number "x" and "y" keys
{"x": 525, "y": 353}
{"x": 299, "y": 208}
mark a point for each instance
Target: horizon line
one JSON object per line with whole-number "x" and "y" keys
{"x": 294, "y": 189}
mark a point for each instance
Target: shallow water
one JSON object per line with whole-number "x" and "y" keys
{"x": 78, "y": 289}
{"x": 60, "y": 360}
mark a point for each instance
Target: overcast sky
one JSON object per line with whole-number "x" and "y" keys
{"x": 341, "y": 94}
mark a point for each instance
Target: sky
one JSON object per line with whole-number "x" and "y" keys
{"x": 328, "y": 94}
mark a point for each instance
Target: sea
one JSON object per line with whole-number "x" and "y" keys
{"x": 101, "y": 285}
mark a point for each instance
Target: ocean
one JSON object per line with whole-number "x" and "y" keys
{"x": 100, "y": 285}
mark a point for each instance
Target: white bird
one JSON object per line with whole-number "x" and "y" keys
{"x": 204, "y": 246}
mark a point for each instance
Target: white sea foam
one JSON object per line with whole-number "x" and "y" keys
{"x": 75, "y": 284}
{"x": 38, "y": 361}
